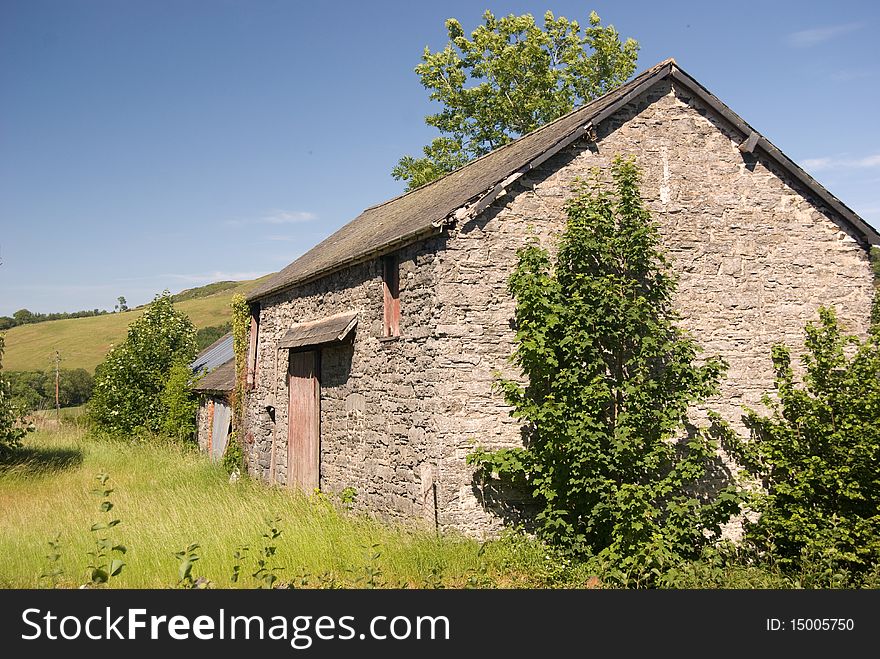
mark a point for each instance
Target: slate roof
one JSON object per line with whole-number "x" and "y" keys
{"x": 217, "y": 360}
{"x": 421, "y": 211}
{"x": 221, "y": 378}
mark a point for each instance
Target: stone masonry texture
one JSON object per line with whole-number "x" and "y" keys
{"x": 756, "y": 255}
{"x": 204, "y": 422}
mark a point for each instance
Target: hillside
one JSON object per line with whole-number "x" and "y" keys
{"x": 83, "y": 342}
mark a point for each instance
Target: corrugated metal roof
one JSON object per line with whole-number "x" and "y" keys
{"x": 332, "y": 329}
{"x": 418, "y": 212}
{"x": 216, "y": 354}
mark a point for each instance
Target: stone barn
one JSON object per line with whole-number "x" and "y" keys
{"x": 215, "y": 368}
{"x": 372, "y": 356}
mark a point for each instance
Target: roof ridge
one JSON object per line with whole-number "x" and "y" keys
{"x": 419, "y": 212}
{"x": 646, "y": 73}
{"x": 448, "y": 186}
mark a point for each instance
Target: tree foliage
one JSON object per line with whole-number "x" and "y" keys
{"x": 13, "y": 427}
{"x": 508, "y": 79}
{"x": 179, "y": 403}
{"x": 130, "y": 380}
{"x": 205, "y": 336}
{"x": 818, "y": 453}
{"x": 609, "y": 379}
{"x": 35, "y": 390}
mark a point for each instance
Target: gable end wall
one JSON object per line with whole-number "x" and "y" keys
{"x": 756, "y": 255}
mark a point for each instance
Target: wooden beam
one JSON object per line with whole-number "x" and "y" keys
{"x": 748, "y": 145}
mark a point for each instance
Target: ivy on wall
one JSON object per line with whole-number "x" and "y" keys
{"x": 233, "y": 457}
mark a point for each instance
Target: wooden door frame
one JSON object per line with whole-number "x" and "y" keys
{"x": 293, "y": 480}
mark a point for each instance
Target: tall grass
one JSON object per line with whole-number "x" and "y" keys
{"x": 169, "y": 496}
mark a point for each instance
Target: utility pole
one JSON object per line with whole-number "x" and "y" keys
{"x": 57, "y": 378}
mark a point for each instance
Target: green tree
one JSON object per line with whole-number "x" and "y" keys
{"x": 28, "y": 389}
{"x": 35, "y": 390}
{"x": 508, "y": 79}
{"x": 76, "y": 386}
{"x": 23, "y": 316}
{"x": 130, "y": 380}
{"x": 818, "y": 453}
{"x": 609, "y": 377}
{"x": 13, "y": 427}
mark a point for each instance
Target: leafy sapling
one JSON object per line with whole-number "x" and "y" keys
{"x": 187, "y": 558}
{"x": 54, "y": 571}
{"x": 265, "y": 572}
{"x": 238, "y": 556}
{"x": 816, "y": 453}
{"x": 372, "y": 577}
{"x": 106, "y": 562}
{"x": 608, "y": 379}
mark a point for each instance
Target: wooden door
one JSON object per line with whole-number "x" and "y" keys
{"x": 304, "y": 422}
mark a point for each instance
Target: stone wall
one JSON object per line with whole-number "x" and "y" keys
{"x": 205, "y": 423}
{"x": 378, "y": 401}
{"x": 755, "y": 254}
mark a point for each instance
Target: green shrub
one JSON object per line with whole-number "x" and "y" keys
{"x": 818, "y": 454}
{"x": 179, "y": 404}
{"x": 130, "y": 381}
{"x": 726, "y": 567}
{"x": 12, "y": 426}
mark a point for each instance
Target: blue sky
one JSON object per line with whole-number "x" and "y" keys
{"x": 151, "y": 145}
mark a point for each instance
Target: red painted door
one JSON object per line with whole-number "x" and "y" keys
{"x": 304, "y": 422}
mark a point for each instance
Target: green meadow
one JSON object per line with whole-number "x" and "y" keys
{"x": 169, "y": 496}
{"x": 84, "y": 342}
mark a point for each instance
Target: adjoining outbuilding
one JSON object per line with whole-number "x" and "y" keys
{"x": 372, "y": 357}
{"x": 215, "y": 368}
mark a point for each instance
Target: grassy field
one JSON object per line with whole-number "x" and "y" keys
{"x": 168, "y": 497}
{"x": 83, "y": 342}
